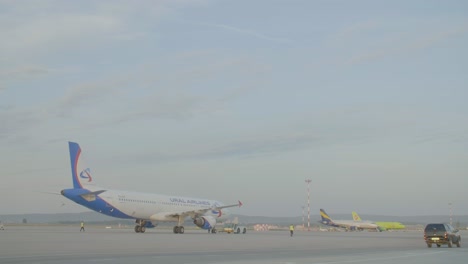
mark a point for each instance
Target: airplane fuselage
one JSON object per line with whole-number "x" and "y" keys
{"x": 135, "y": 205}
{"x": 352, "y": 224}
{"x": 347, "y": 224}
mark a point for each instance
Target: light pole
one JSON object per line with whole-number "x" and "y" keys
{"x": 450, "y": 208}
{"x": 308, "y": 203}
{"x": 303, "y": 225}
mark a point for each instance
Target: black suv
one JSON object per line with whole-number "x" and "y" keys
{"x": 441, "y": 234}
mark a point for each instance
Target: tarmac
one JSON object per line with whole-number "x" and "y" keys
{"x": 65, "y": 244}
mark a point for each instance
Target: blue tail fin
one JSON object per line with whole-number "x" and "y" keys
{"x": 80, "y": 176}
{"x": 325, "y": 218}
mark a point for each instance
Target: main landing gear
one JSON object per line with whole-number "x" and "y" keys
{"x": 140, "y": 227}
{"x": 178, "y": 229}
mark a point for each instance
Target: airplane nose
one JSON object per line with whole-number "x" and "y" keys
{"x": 62, "y": 192}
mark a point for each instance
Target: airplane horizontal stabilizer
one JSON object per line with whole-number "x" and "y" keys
{"x": 91, "y": 196}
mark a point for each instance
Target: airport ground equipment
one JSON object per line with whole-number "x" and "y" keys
{"x": 232, "y": 228}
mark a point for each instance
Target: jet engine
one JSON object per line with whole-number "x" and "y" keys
{"x": 205, "y": 222}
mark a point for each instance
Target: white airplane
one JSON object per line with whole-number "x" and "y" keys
{"x": 382, "y": 225}
{"x": 349, "y": 225}
{"x": 145, "y": 208}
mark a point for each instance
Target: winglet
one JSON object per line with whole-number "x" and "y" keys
{"x": 240, "y": 203}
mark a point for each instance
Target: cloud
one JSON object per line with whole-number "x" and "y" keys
{"x": 38, "y": 28}
{"x": 45, "y": 34}
{"x": 145, "y": 92}
{"x": 20, "y": 120}
{"x": 89, "y": 94}
{"x": 442, "y": 135}
{"x": 245, "y": 32}
{"x": 260, "y": 145}
{"x": 350, "y": 32}
{"x": 14, "y": 121}
{"x": 25, "y": 70}
{"x": 267, "y": 144}
{"x": 341, "y": 127}
{"x": 435, "y": 37}
{"x": 209, "y": 83}
{"x": 162, "y": 105}
{"x": 21, "y": 73}
{"x": 327, "y": 130}
{"x": 399, "y": 44}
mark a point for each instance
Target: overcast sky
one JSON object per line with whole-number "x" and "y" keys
{"x": 238, "y": 100}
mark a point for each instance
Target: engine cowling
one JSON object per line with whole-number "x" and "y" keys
{"x": 205, "y": 222}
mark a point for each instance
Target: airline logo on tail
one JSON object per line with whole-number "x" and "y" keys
{"x": 86, "y": 174}
{"x": 325, "y": 218}
{"x": 81, "y": 174}
{"x": 356, "y": 217}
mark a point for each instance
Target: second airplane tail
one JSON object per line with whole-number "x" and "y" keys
{"x": 326, "y": 219}
{"x": 356, "y": 217}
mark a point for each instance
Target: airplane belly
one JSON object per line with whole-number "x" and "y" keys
{"x": 163, "y": 217}
{"x": 104, "y": 204}
{"x": 124, "y": 208}
{"x": 133, "y": 211}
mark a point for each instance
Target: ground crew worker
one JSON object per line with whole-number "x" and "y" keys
{"x": 291, "y": 230}
{"x": 82, "y": 226}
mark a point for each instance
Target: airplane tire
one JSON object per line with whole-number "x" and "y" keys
{"x": 244, "y": 230}
{"x": 238, "y": 231}
{"x": 213, "y": 231}
{"x": 137, "y": 229}
{"x": 429, "y": 245}
{"x": 438, "y": 245}
{"x": 142, "y": 229}
{"x": 176, "y": 229}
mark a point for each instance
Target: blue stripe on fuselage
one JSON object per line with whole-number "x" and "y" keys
{"x": 98, "y": 205}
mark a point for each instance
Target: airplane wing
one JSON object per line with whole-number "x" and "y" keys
{"x": 239, "y": 203}
{"x": 203, "y": 211}
{"x": 193, "y": 213}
